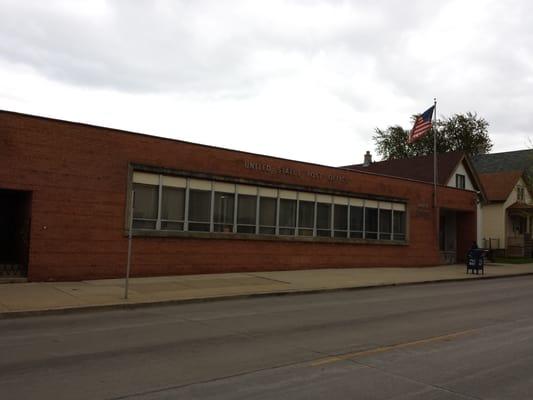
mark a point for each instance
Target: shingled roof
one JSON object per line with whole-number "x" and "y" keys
{"x": 519, "y": 160}
{"x": 499, "y": 172}
{"x": 498, "y": 185}
{"x": 417, "y": 168}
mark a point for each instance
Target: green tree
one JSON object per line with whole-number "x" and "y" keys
{"x": 466, "y": 132}
{"x": 528, "y": 173}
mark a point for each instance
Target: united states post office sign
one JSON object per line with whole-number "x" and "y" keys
{"x": 289, "y": 171}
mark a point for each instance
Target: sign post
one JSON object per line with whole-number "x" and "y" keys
{"x": 128, "y": 265}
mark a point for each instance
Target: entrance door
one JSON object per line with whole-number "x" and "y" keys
{"x": 442, "y": 233}
{"x": 15, "y": 213}
{"x": 448, "y": 236}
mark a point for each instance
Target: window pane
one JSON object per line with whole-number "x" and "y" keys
{"x": 305, "y": 232}
{"x": 267, "y": 215}
{"x": 371, "y": 223}
{"x": 385, "y": 224}
{"x": 399, "y": 225}
{"x": 199, "y": 227}
{"x": 287, "y": 217}
{"x": 199, "y": 210}
{"x": 356, "y": 222}
{"x": 245, "y": 229}
{"x": 144, "y": 224}
{"x": 306, "y": 218}
{"x": 223, "y": 212}
{"x": 323, "y": 219}
{"x": 340, "y": 223}
{"x": 171, "y": 226}
{"x": 146, "y": 199}
{"x": 173, "y": 204}
{"x": 341, "y": 217}
{"x": 267, "y": 231}
{"x": 460, "y": 181}
{"x": 246, "y": 210}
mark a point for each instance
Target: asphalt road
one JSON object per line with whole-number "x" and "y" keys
{"x": 466, "y": 340}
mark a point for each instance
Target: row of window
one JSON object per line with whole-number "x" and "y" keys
{"x": 185, "y": 204}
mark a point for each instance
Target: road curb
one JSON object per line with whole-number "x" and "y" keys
{"x": 147, "y": 304}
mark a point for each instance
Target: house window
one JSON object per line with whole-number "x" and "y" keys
{"x": 460, "y": 181}
{"x": 520, "y": 193}
{"x": 180, "y": 204}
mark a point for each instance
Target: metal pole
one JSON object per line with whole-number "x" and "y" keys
{"x": 434, "y": 153}
{"x": 437, "y": 216}
{"x": 128, "y": 265}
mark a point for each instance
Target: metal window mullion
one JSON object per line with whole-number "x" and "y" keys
{"x": 212, "y": 210}
{"x": 159, "y": 202}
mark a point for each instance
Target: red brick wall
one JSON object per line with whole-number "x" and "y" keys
{"x": 78, "y": 175}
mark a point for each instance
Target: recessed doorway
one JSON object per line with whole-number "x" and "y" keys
{"x": 15, "y": 219}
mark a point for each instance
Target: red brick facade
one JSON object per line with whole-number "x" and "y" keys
{"x": 78, "y": 178}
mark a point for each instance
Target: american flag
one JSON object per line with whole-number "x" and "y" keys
{"x": 422, "y": 125}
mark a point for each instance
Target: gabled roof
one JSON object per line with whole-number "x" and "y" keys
{"x": 499, "y": 172}
{"x": 417, "y": 168}
{"x": 519, "y": 160}
{"x": 498, "y": 185}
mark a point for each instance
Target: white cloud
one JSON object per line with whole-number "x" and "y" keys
{"x": 302, "y": 79}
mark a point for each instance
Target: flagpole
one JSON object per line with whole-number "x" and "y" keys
{"x": 437, "y": 217}
{"x": 434, "y": 153}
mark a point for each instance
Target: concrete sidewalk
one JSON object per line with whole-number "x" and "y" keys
{"x": 17, "y": 299}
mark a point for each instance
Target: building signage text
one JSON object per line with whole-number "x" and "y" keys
{"x": 288, "y": 171}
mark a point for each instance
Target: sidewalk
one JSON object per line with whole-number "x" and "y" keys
{"x": 17, "y": 299}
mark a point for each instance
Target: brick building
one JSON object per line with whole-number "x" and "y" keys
{"x": 66, "y": 189}
{"x": 455, "y": 169}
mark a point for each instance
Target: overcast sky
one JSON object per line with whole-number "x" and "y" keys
{"x": 306, "y": 80}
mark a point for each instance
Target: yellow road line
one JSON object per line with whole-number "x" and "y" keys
{"x": 346, "y": 356}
